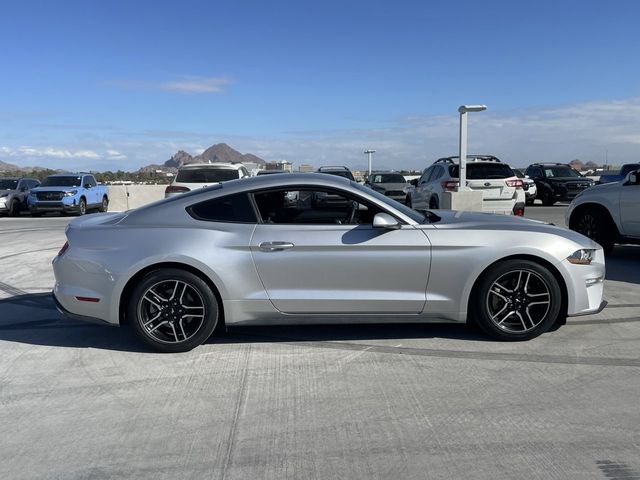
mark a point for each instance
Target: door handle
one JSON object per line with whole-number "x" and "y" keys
{"x": 275, "y": 246}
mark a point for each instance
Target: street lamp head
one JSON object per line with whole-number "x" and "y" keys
{"x": 369, "y": 151}
{"x": 471, "y": 108}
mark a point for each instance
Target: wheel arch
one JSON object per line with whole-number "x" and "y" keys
{"x": 125, "y": 295}
{"x": 541, "y": 261}
{"x": 595, "y": 206}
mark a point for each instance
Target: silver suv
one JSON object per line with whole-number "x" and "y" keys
{"x": 199, "y": 175}
{"x": 13, "y": 194}
{"x": 502, "y": 189}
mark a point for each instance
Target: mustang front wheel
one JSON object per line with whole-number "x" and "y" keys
{"x": 517, "y": 300}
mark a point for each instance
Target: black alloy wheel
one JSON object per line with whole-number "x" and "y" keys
{"x": 173, "y": 310}
{"x": 517, "y": 300}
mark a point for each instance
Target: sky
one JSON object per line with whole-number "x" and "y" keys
{"x": 108, "y": 85}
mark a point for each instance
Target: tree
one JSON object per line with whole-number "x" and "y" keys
{"x": 577, "y": 164}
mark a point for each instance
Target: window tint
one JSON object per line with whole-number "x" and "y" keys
{"x": 313, "y": 206}
{"x": 437, "y": 173}
{"x": 387, "y": 178}
{"x": 480, "y": 171}
{"x": 206, "y": 175}
{"x": 232, "y": 208}
{"x": 8, "y": 184}
{"x": 427, "y": 173}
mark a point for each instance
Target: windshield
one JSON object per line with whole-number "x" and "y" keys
{"x": 560, "y": 171}
{"x": 412, "y": 214}
{"x": 482, "y": 171}
{"x": 387, "y": 178}
{"x": 206, "y": 175}
{"x": 8, "y": 184}
{"x": 61, "y": 181}
{"x": 518, "y": 173}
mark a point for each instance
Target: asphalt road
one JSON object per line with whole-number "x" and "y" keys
{"x": 398, "y": 401}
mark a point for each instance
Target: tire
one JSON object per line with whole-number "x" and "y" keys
{"x": 407, "y": 201}
{"x": 596, "y": 225}
{"x": 104, "y": 206}
{"x": 82, "y": 207}
{"x": 547, "y": 198}
{"x": 433, "y": 203}
{"x": 168, "y": 295}
{"x": 505, "y": 311}
{"x": 14, "y": 209}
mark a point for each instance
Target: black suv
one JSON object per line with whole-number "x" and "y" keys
{"x": 339, "y": 171}
{"x": 557, "y": 182}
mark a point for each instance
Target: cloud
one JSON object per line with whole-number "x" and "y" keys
{"x": 593, "y": 131}
{"x": 47, "y": 152}
{"x": 185, "y": 84}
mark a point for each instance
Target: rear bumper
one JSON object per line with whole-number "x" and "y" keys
{"x": 74, "y": 316}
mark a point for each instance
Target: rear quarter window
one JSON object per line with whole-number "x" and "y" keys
{"x": 231, "y": 208}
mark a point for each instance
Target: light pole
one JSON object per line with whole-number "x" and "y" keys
{"x": 462, "y": 151}
{"x": 369, "y": 154}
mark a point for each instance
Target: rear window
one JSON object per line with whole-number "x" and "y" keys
{"x": 206, "y": 175}
{"x": 232, "y": 208}
{"x": 481, "y": 171}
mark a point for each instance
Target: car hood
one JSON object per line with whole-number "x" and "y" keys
{"x": 54, "y": 189}
{"x": 6, "y": 192}
{"x": 569, "y": 179}
{"x": 451, "y": 219}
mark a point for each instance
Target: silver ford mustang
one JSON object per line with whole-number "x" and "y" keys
{"x": 273, "y": 250}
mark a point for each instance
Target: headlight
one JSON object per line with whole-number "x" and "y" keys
{"x": 71, "y": 193}
{"x": 582, "y": 257}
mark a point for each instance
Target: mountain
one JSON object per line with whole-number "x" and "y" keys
{"x": 180, "y": 158}
{"x": 223, "y": 153}
{"x": 8, "y": 167}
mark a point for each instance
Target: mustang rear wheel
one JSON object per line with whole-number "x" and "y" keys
{"x": 173, "y": 310}
{"x": 517, "y": 300}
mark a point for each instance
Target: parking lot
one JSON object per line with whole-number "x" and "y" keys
{"x": 383, "y": 401}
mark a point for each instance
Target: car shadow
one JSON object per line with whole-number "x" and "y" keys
{"x": 33, "y": 319}
{"x": 623, "y": 264}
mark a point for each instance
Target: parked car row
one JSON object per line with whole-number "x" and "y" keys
{"x": 68, "y": 193}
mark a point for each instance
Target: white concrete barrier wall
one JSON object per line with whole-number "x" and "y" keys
{"x": 126, "y": 197}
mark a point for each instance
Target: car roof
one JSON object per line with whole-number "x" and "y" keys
{"x": 338, "y": 167}
{"x": 233, "y": 166}
{"x": 12, "y": 178}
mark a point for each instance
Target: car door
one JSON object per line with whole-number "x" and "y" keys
{"x": 418, "y": 197}
{"x": 312, "y": 260}
{"x": 630, "y": 206}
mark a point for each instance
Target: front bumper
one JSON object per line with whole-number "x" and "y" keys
{"x": 43, "y": 207}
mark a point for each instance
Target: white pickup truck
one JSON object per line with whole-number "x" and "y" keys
{"x": 608, "y": 213}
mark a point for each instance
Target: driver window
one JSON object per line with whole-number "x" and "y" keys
{"x": 313, "y": 207}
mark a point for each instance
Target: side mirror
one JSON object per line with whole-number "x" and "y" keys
{"x": 632, "y": 178}
{"x": 414, "y": 182}
{"x": 87, "y": 185}
{"x": 384, "y": 220}
{"x": 23, "y": 189}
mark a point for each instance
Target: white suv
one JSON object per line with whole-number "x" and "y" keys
{"x": 502, "y": 189}
{"x": 199, "y": 175}
{"x": 608, "y": 213}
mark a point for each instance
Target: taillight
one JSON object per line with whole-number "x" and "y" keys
{"x": 64, "y": 248}
{"x": 176, "y": 189}
{"x": 516, "y": 182}
{"x": 448, "y": 185}
{"x": 518, "y": 210}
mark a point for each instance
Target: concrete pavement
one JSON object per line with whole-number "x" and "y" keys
{"x": 387, "y": 401}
